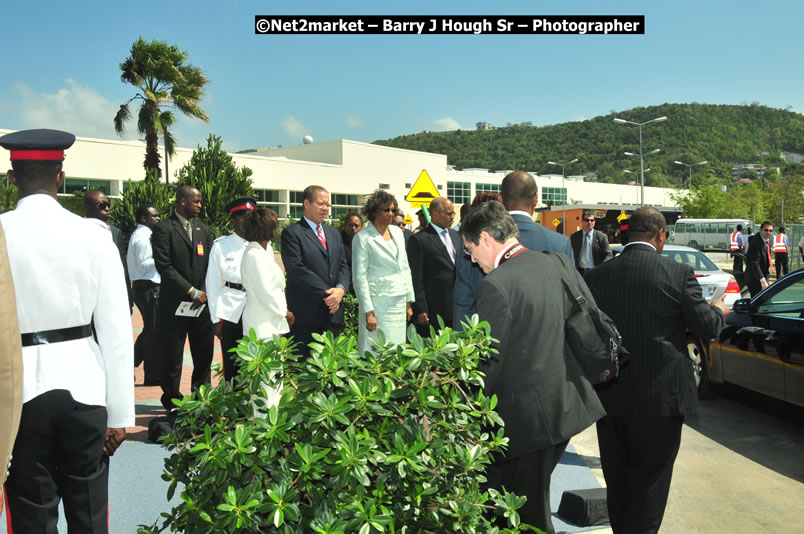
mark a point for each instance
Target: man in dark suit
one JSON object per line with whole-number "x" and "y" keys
{"x": 758, "y": 261}
{"x": 181, "y": 245}
{"x": 520, "y": 196}
{"x": 590, "y": 246}
{"x": 97, "y": 206}
{"x": 654, "y": 301}
{"x": 544, "y": 397}
{"x": 431, "y": 255}
{"x": 317, "y": 272}
{"x": 399, "y": 220}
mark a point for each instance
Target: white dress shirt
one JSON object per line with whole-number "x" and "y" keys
{"x": 224, "y": 266}
{"x": 266, "y": 306}
{"x": 587, "y": 241}
{"x": 140, "y": 257}
{"x": 66, "y": 270}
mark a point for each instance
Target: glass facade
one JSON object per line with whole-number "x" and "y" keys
{"x": 487, "y": 188}
{"x": 459, "y": 192}
{"x": 554, "y": 196}
{"x": 74, "y": 185}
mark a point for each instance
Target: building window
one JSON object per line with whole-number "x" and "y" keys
{"x": 297, "y": 197}
{"x": 487, "y": 188}
{"x": 73, "y": 185}
{"x": 344, "y": 200}
{"x": 407, "y": 186}
{"x": 459, "y": 192}
{"x": 554, "y": 196}
{"x": 266, "y": 195}
{"x": 385, "y": 186}
{"x": 297, "y": 212}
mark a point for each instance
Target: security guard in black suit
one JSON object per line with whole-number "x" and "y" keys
{"x": 181, "y": 245}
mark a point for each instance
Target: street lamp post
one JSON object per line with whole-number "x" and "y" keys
{"x": 641, "y": 158}
{"x": 626, "y": 171}
{"x": 564, "y": 206}
{"x": 690, "y": 166}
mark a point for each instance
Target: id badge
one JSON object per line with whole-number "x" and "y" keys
{"x": 199, "y": 249}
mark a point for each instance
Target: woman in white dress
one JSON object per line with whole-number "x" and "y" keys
{"x": 380, "y": 274}
{"x": 266, "y": 310}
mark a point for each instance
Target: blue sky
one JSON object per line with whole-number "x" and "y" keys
{"x": 60, "y": 66}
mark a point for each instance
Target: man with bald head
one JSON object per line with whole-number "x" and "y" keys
{"x": 520, "y": 196}
{"x": 97, "y": 206}
{"x": 432, "y": 254}
{"x": 181, "y": 245}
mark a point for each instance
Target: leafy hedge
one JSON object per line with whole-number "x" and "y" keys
{"x": 393, "y": 442}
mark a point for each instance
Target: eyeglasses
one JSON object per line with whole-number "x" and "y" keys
{"x": 387, "y": 210}
{"x": 767, "y": 229}
{"x": 589, "y": 220}
{"x": 103, "y": 205}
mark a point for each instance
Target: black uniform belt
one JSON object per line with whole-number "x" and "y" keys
{"x": 46, "y": 337}
{"x": 239, "y": 287}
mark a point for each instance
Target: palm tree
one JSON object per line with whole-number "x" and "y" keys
{"x": 164, "y": 78}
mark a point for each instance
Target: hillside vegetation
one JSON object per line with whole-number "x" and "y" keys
{"x": 723, "y": 135}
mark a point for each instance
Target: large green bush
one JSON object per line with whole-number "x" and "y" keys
{"x": 393, "y": 442}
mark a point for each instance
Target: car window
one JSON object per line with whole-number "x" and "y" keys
{"x": 697, "y": 260}
{"x": 788, "y": 302}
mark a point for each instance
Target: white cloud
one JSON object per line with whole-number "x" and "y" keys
{"x": 447, "y": 123}
{"x": 77, "y": 109}
{"x": 354, "y": 122}
{"x": 294, "y": 128}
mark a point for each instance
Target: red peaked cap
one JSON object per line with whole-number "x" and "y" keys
{"x": 37, "y": 145}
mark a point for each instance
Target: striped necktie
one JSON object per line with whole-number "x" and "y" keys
{"x": 321, "y": 237}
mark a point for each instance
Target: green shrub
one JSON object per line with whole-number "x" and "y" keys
{"x": 393, "y": 442}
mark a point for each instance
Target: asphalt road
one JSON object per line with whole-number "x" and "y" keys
{"x": 740, "y": 467}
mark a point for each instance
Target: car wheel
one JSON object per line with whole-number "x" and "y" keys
{"x": 694, "y": 244}
{"x": 697, "y": 356}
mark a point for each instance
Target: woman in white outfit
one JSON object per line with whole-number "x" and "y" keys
{"x": 266, "y": 310}
{"x": 380, "y": 274}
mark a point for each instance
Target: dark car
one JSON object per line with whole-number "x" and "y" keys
{"x": 762, "y": 346}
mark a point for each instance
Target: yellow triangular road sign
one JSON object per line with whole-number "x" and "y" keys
{"x": 408, "y": 219}
{"x": 422, "y": 192}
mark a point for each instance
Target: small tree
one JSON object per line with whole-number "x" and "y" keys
{"x": 148, "y": 191}
{"x": 212, "y": 171}
{"x": 398, "y": 441}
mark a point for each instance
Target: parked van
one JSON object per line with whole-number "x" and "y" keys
{"x": 707, "y": 233}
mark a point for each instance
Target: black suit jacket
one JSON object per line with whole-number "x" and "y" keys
{"x": 543, "y": 396}
{"x": 119, "y": 242}
{"x": 600, "y": 247}
{"x": 311, "y": 271}
{"x": 433, "y": 273}
{"x": 653, "y": 301}
{"x": 181, "y": 264}
{"x": 757, "y": 263}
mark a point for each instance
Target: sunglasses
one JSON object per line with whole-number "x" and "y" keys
{"x": 387, "y": 210}
{"x": 103, "y": 205}
{"x": 589, "y": 220}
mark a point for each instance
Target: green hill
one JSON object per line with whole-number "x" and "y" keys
{"x": 723, "y": 135}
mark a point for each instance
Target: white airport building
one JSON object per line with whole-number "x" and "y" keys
{"x": 348, "y": 169}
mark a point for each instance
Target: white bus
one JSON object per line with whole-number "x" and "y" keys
{"x": 708, "y": 233}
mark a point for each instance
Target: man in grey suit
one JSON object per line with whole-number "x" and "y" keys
{"x": 590, "y": 246}
{"x": 654, "y": 301}
{"x": 520, "y": 196}
{"x": 544, "y": 397}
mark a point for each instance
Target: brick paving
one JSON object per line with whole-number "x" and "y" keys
{"x": 146, "y": 398}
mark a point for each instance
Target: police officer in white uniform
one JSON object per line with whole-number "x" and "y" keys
{"x": 78, "y": 394}
{"x": 227, "y": 296}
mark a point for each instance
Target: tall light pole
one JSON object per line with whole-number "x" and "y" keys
{"x": 626, "y": 171}
{"x": 641, "y": 160}
{"x": 690, "y": 166}
{"x": 564, "y": 206}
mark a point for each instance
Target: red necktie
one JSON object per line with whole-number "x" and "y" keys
{"x": 321, "y": 237}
